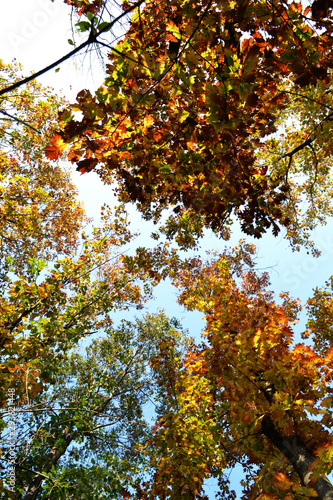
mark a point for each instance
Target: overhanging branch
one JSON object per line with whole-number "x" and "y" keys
{"x": 91, "y": 39}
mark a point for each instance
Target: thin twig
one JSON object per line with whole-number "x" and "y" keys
{"x": 316, "y": 173}
{"x": 308, "y": 99}
{"x": 29, "y": 470}
{"x": 19, "y": 120}
{"x": 121, "y": 54}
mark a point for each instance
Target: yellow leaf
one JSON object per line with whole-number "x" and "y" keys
{"x": 148, "y": 121}
{"x": 256, "y": 338}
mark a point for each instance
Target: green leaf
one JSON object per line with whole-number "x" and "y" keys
{"x": 103, "y": 25}
{"x": 83, "y": 26}
{"x": 90, "y": 15}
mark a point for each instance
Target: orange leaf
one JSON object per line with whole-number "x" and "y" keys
{"x": 56, "y": 148}
{"x": 283, "y": 481}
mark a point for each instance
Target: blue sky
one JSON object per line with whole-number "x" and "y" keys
{"x": 36, "y": 34}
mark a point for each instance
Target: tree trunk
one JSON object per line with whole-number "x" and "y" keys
{"x": 300, "y": 457}
{"x": 51, "y": 459}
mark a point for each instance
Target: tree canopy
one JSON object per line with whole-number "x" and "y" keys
{"x": 189, "y": 113}
{"x": 249, "y": 395}
{"x": 211, "y": 112}
{"x": 38, "y": 201}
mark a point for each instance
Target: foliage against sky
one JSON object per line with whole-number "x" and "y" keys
{"x": 38, "y": 201}
{"x": 191, "y": 95}
{"x": 195, "y": 115}
{"x": 246, "y": 388}
{"x": 59, "y": 286}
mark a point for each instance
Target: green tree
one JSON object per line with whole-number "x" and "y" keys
{"x": 49, "y": 309}
{"x": 53, "y": 295}
{"x": 81, "y": 437}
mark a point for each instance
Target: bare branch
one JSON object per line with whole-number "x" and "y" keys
{"x": 298, "y": 148}
{"x": 19, "y": 120}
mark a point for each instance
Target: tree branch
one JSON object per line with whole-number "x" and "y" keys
{"x": 29, "y": 470}
{"x": 19, "y": 121}
{"x": 298, "y": 148}
{"x": 121, "y": 54}
{"x": 91, "y": 39}
{"x": 301, "y": 96}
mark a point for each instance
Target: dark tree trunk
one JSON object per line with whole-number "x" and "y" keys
{"x": 299, "y": 456}
{"x": 51, "y": 459}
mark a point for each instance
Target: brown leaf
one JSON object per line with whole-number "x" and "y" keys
{"x": 86, "y": 165}
{"x": 320, "y": 8}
